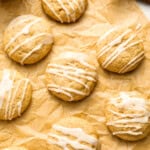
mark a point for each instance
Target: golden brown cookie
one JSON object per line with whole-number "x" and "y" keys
{"x": 127, "y": 115}
{"x": 15, "y": 94}
{"x": 64, "y": 11}
{"x": 15, "y": 148}
{"x": 73, "y": 133}
{"x": 71, "y": 76}
{"x": 120, "y": 50}
{"x": 28, "y": 39}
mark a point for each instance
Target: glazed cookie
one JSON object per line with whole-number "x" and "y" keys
{"x": 27, "y": 39}
{"x": 120, "y": 50}
{"x": 72, "y": 76}
{"x": 127, "y": 115}
{"x": 15, "y": 148}
{"x": 73, "y": 133}
{"x": 64, "y": 11}
{"x": 15, "y": 94}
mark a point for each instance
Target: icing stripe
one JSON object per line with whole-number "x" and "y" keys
{"x": 117, "y": 52}
{"x": 78, "y": 133}
{"x": 8, "y": 100}
{"x": 106, "y": 35}
{"x": 62, "y": 91}
{"x": 65, "y": 9}
{"x": 78, "y": 5}
{"x": 71, "y": 90}
{"x": 21, "y": 20}
{"x": 35, "y": 49}
{"x": 73, "y": 8}
{"x": 133, "y": 121}
{"x": 127, "y": 132}
{"x": 73, "y": 68}
{"x": 5, "y": 86}
{"x": 132, "y": 62}
{"x": 53, "y": 11}
{"x": 108, "y": 47}
{"x": 12, "y": 109}
{"x": 31, "y": 39}
{"x": 74, "y": 71}
{"x": 19, "y": 104}
{"x": 25, "y": 30}
{"x": 66, "y": 75}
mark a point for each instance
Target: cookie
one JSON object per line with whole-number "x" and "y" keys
{"x": 27, "y": 39}
{"x": 72, "y": 76}
{"x": 15, "y": 94}
{"x": 15, "y": 148}
{"x": 73, "y": 133}
{"x": 127, "y": 115}
{"x": 64, "y": 11}
{"x": 120, "y": 50}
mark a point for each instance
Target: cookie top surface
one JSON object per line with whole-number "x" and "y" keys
{"x": 71, "y": 76}
{"x": 27, "y": 39}
{"x": 15, "y": 94}
{"x": 64, "y": 11}
{"x": 127, "y": 115}
{"x": 120, "y": 50}
{"x": 73, "y": 133}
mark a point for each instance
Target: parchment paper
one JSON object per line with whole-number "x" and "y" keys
{"x": 31, "y": 129}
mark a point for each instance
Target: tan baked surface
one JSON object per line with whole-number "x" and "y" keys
{"x": 81, "y": 36}
{"x": 127, "y": 115}
{"x": 16, "y": 94}
{"x": 64, "y": 11}
{"x": 71, "y": 76}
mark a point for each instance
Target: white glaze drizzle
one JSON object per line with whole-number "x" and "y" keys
{"x": 81, "y": 4}
{"x": 12, "y": 109}
{"x": 57, "y": 15}
{"x": 132, "y": 62}
{"x": 20, "y": 20}
{"x": 117, "y": 40}
{"x": 77, "y": 4}
{"x": 8, "y": 100}
{"x": 78, "y": 133}
{"x": 80, "y": 57}
{"x": 122, "y": 47}
{"x": 106, "y": 34}
{"x": 58, "y": 90}
{"x": 31, "y": 39}
{"x": 73, "y": 8}
{"x": 71, "y": 90}
{"x": 19, "y": 104}
{"x": 127, "y": 132}
{"x": 6, "y": 85}
{"x": 25, "y": 30}
{"x": 35, "y": 49}
{"x": 65, "y": 9}
{"x": 66, "y": 75}
{"x": 133, "y": 121}
{"x": 72, "y": 73}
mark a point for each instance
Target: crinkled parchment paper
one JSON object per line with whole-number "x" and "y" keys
{"x": 31, "y": 129}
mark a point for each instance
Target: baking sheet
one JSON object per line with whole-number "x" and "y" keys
{"x": 32, "y": 128}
